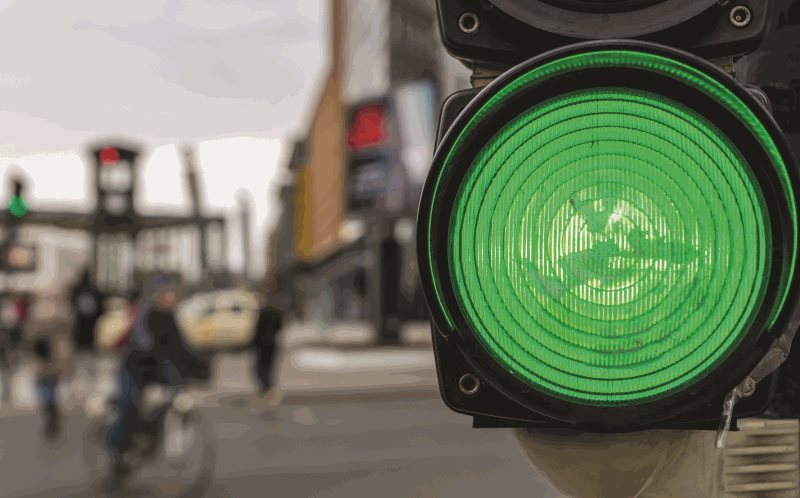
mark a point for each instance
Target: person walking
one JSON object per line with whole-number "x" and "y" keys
{"x": 47, "y": 330}
{"x": 267, "y": 329}
{"x": 87, "y": 302}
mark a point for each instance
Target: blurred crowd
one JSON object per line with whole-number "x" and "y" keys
{"x": 160, "y": 334}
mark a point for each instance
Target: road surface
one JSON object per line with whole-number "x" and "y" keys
{"x": 329, "y": 449}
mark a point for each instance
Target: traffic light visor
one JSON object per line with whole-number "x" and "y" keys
{"x": 611, "y": 226}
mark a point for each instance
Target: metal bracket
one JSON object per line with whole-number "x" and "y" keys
{"x": 776, "y": 355}
{"x": 482, "y": 75}
{"x": 726, "y": 64}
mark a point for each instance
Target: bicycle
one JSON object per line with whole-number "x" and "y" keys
{"x": 170, "y": 434}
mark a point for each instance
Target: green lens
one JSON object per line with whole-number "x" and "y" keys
{"x": 610, "y": 245}
{"x": 17, "y": 206}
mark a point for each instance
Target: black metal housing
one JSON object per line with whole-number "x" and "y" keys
{"x": 505, "y": 400}
{"x": 511, "y": 31}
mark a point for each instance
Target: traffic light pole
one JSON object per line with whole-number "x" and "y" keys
{"x": 646, "y": 464}
{"x": 194, "y": 194}
{"x": 244, "y": 217}
{"x": 385, "y": 280}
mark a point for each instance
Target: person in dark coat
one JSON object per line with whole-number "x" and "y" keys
{"x": 267, "y": 329}
{"x": 155, "y": 353}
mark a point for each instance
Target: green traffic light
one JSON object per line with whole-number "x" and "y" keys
{"x": 17, "y": 206}
{"x": 597, "y": 242}
{"x": 611, "y": 246}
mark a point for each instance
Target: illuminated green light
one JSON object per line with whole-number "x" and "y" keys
{"x": 17, "y": 206}
{"x": 597, "y": 243}
{"x": 611, "y": 246}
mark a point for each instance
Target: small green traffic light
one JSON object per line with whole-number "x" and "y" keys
{"x": 17, "y": 206}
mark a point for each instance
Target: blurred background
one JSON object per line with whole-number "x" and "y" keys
{"x": 259, "y": 155}
{"x": 265, "y": 158}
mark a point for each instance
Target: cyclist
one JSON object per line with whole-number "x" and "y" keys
{"x": 154, "y": 348}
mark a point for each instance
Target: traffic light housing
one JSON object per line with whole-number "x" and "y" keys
{"x": 369, "y": 155}
{"x": 607, "y": 239}
{"x": 115, "y": 184}
{"x": 502, "y": 32}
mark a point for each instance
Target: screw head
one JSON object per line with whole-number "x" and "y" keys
{"x": 469, "y": 384}
{"x": 468, "y": 22}
{"x": 740, "y": 16}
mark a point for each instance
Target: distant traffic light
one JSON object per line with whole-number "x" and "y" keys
{"x": 608, "y": 235}
{"x": 115, "y": 167}
{"x": 17, "y": 206}
{"x": 369, "y": 156}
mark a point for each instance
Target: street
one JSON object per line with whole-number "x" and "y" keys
{"x": 279, "y": 249}
{"x": 370, "y": 447}
{"x": 355, "y": 420}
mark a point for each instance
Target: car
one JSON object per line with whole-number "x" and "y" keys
{"x": 222, "y": 319}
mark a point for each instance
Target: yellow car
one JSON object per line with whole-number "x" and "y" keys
{"x": 223, "y": 319}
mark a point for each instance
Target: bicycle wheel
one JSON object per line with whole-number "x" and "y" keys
{"x": 187, "y": 455}
{"x": 95, "y": 451}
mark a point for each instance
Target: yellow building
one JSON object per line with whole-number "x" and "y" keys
{"x": 347, "y": 204}
{"x": 319, "y": 181}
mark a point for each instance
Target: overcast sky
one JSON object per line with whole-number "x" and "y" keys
{"x": 238, "y": 78}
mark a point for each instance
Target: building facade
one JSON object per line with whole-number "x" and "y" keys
{"x": 356, "y": 178}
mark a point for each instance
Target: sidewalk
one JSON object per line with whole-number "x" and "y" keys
{"x": 350, "y": 335}
{"x": 339, "y": 362}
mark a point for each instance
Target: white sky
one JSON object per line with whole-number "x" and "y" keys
{"x": 238, "y": 79}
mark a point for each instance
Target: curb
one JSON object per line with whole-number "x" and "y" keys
{"x": 393, "y": 393}
{"x": 342, "y": 395}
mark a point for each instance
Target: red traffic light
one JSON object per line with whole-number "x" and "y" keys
{"x": 109, "y": 156}
{"x": 367, "y": 127}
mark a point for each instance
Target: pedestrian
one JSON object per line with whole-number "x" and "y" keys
{"x": 267, "y": 329}
{"x": 87, "y": 302}
{"x": 21, "y": 306}
{"x": 47, "y": 330}
{"x": 131, "y": 309}
{"x": 8, "y": 322}
{"x": 87, "y": 305}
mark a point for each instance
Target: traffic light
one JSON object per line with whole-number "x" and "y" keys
{"x": 608, "y": 234}
{"x": 17, "y": 206}
{"x": 115, "y": 179}
{"x": 369, "y": 157}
